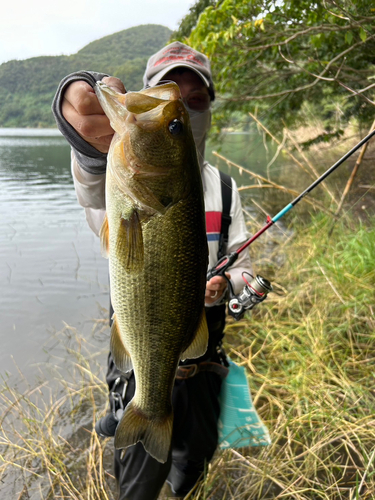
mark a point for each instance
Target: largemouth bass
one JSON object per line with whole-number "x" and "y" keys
{"x": 154, "y": 235}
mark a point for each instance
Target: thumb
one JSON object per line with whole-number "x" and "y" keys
{"x": 115, "y": 84}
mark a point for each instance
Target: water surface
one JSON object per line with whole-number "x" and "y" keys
{"x": 51, "y": 270}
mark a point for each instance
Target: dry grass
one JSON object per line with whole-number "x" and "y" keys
{"x": 48, "y": 447}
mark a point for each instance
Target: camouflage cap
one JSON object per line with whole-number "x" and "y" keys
{"x": 177, "y": 55}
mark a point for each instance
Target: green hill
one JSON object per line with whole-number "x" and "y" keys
{"x": 27, "y": 87}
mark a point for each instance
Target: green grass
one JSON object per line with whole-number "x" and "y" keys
{"x": 310, "y": 354}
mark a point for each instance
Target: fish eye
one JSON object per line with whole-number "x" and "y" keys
{"x": 175, "y": 127}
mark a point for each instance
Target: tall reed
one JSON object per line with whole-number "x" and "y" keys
{"x": 310, "y": 356}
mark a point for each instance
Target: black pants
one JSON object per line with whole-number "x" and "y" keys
{"x": 194, "y": 437}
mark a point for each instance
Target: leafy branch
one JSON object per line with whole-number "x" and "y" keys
{"x": 284, "y": 56}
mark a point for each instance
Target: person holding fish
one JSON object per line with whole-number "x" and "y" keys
{"x": 139, "y": 172}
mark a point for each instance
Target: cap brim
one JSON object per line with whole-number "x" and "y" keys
{"x": 159, "y": 76}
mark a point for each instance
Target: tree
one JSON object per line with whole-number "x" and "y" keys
{"x": 190, "y": 20}
{"x": 280, "y": 56}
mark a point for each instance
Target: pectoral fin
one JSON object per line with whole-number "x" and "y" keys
{"x": 129, "y": 248}
{"x": 199, "y": 345}
{"x": 104, "y": 238}
{"x": 120, "y": 355}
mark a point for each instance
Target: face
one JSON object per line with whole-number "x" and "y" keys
{"x": 193, "y": 90}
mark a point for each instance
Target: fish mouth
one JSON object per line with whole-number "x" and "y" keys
{"x": 148, "y": 109}
{"x": 152, "y": 108}
{"x": 139, "y": 103}
{"x": 147, "y": 99}
{"x": 156, "y": 118}
{"x": 146, "y": 113}
{"x": 167, "y": 91}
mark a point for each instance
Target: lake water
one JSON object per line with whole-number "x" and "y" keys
{"x": 51, "y": 270}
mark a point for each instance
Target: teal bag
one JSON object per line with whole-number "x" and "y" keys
{"x": 239, "y": 424}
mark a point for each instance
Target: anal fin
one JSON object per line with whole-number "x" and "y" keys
{"x": 121, "y": 357}
{"x": 199, "y": 344}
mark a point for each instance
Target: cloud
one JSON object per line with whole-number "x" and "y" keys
{"x": 29, "y": 29}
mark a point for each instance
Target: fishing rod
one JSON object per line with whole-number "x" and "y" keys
{"x": 257, "y": 289}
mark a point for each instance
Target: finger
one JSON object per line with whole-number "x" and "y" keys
{"x": 210, "y": 297}
{"x": 115, "y": 84}
{"x": 218, "y": 280}
{"x": 83, "y": 98}
{"x": 94, "y": 129}
{"x": 93, "y": 126}
{"x": 101, "y": 143}
{"x": 88, "y": 126}
{"x": 214, "y": 287}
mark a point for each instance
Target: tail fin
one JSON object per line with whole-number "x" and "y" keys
{"x": 155, "y": 436}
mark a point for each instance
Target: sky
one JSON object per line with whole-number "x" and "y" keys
{"x": 45, "y": 27}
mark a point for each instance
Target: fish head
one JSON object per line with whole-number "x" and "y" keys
{"x": 153, "y": 125}
{"x": 159, "y": 128}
